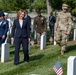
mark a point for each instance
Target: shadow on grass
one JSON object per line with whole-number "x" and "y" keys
{"x": 12, "y": 52}
{"x": 11, "y": 46}
{"x": 69, "y": 48}
{"x": 32, "y": 58}
{"x": 36, "y": 57}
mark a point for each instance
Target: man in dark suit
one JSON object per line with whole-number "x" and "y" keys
{"x": 52, "y": 21}
{"x": 3, "y": 28}
{"x": 21, "y": 35}
{"x": 29, "y": 21}
{"x": 27, "y": 17}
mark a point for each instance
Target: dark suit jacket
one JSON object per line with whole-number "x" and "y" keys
{"x": 3, "y": 28}
{"x": 52, "y": 20}
{"x": 29, "y": 20}
{"x": 17, "y": 31}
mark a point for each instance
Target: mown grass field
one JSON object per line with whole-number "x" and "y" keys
{"x": 41, "y": 61}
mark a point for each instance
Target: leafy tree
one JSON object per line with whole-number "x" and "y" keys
{"x": 11, "y": 5}
{"x": 14, "y": 4}
{"x": 72, "y": 6}
{"x": 39, "y": 4}
{"x": 56, "y": 4}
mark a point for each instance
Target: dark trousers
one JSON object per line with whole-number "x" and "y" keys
{"x": 18, "y": 41}
{"x": 51, "y": 31}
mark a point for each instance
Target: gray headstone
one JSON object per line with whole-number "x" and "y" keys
{"x": 5, "y": 52}
{"x": 71, "y": 65}
{"x": 43, "y": 42}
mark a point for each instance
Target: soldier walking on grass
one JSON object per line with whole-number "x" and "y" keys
{"x": 39, "y": 26}
{"x": 63, "y": 27}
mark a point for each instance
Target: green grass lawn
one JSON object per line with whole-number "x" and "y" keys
{"x": 41, "y": 61}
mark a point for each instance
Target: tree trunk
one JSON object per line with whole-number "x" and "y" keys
{"x": 49, "y": 8}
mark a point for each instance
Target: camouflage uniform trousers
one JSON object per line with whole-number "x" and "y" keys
{"x": 60, "y": 38}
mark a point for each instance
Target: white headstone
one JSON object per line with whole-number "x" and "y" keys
{"x": 71, "y": 65}
{"x": 74, "y": 37}
{"x": 34, "y": 34}
{"x": 54, "y": 41}
{"x": 5, "y": 52}
{"x": 43, "y": 42}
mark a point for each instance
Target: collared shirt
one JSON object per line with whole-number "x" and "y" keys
{"x": 21, "y": 23}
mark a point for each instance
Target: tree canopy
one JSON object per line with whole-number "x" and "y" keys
{"x": 13, "y": 5}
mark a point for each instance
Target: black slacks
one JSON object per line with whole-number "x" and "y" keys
{"x": 51, "y": 31}
{"x": 18, "y": 41}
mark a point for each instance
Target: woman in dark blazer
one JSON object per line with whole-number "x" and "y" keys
{"x": 21, "y": 35}
{"x": 3, "y": 28}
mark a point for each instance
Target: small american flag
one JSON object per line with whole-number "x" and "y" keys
{"x": 57, "y": 68}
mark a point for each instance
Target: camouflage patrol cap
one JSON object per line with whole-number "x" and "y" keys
{"x": 65, "y": 6}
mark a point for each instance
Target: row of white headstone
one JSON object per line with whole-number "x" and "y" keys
{"x": 71, "y": 62}
{"x": 43, "y": 39}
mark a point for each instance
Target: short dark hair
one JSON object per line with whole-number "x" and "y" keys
{"x": 51, "y": 13}
{"x": 26, "y": 11}
{"x": 38, "y": 11}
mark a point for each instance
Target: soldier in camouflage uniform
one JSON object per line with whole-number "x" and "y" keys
{"x": 39, "y": 25}
{"x": 63, "y": 27}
